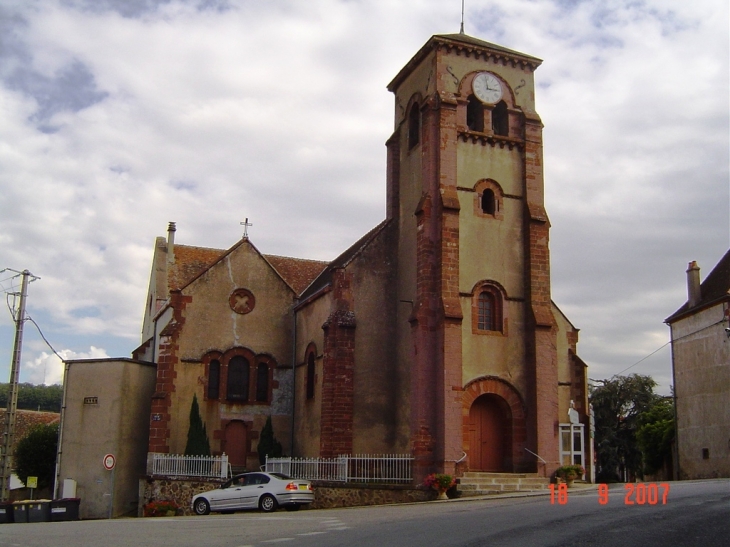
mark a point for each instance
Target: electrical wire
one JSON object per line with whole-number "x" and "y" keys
{"x": 662, "y": 347}
{"x": 29, "y": 318}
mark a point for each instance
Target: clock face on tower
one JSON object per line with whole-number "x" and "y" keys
{"x": 487, "y": 88}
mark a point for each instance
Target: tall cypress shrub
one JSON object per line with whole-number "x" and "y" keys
{"x": 198, "y": 444}
{"x": 268, "y": 445}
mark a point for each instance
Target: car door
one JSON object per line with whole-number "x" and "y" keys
{"x": 254, "y": 486}
{"x": 227, "y": 496}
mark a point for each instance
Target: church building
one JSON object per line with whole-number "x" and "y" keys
{"x": 433, "y": 335}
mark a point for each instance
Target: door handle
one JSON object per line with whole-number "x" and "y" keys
{"x": 260, "y": 487}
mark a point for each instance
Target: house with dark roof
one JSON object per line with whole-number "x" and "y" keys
{"x": 700, "y": 336}
{"x": 433, "y": 335}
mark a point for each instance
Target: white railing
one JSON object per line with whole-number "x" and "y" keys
{"x": 177, "y": 465}
{"x": 380, "y": 468}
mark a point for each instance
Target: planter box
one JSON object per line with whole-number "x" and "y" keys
{"x": 39, "y": 511}
{"x": 65, "y": 509}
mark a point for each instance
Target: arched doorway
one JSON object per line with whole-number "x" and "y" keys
{"x": 490, "y": 434}
{"x": 236, "y": 443}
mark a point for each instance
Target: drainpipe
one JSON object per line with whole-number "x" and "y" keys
{"x": 294, "y": 378}
{"x": 60, "y": 431}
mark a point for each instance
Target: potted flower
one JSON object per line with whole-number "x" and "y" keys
{"x": 440, "y": 482}
{"x": 161, "y": 508}
{"x": 569, "y": 473}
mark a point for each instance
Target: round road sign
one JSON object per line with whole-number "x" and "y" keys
{"x": 109, "y": 462}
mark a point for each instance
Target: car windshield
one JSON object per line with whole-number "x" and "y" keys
{"x": 281, "y": 476}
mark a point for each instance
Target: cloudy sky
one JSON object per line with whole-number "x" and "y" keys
{"x": 117, "y": 116}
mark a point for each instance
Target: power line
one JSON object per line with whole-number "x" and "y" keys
{"x": 43, "y": 336}
{"x": 662, "y": 347}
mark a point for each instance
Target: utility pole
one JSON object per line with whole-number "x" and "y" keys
{"x": 9, "y": 434}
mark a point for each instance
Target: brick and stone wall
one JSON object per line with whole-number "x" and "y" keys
{"x": 326, "y": 494}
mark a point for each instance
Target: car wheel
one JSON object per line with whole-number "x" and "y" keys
{"x": 292, "y": 507}
{"x": 267, "y": 503}
{"x": 201, "y": 506}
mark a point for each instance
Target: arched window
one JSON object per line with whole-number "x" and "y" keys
{"x": 239, "y": 370}
{"x": 488, "y": 202}
{"x": 500, "y": 119}
{"x": 414, "y": 126}
{"x": 262, "y": 383}
{"x": 474, "y": 114}
{"x": 310, "y": 375}
{"x": 489, "y": 310}
{"x": 214, "y": 379}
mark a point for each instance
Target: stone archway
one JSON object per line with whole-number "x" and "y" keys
{"x": 494, "y": 428}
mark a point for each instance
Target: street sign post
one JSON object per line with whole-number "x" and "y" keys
{"x": 110, "y": 461}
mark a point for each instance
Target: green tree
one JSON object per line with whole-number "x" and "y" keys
{"x": 656, "y": 433}
{"x": 618, "y": 404}
{"x": 198, "y": 443}
{"x": 31, "y": 397}
{"x": 35, "y": 454}
{"x": 268, "y": 445}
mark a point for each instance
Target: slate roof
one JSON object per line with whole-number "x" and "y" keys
{"x": 191, "y": 261}
{"x": 714, "y": 288}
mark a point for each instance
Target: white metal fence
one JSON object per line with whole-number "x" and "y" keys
{"x": 380, "y": 468}
{"x": 177, "y": 465}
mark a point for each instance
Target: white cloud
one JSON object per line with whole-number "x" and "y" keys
{"x": 278, "y": 111}
{"x": 47, "y": 368}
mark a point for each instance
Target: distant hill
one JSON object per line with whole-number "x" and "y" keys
{"x": 30, "y": 397}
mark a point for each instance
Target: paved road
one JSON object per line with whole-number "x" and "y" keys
{"x": 695, "y": 514}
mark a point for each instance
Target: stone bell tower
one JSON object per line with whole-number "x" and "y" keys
{"x": 465, "y": 187}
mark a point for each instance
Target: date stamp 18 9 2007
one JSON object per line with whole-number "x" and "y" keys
{"x": 636, "y": 493}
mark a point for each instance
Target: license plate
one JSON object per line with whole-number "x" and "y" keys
{"x": 302, "y": 487}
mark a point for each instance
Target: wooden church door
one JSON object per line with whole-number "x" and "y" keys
{"x": 489, "y": 434}
{"x": 236, "y": 445}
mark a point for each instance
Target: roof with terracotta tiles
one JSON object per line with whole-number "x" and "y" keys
{"x": 297, "y": 272}
{"x": 25, "y": 420}
{"x": 191, "y": 261}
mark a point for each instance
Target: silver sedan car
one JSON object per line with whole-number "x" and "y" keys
{"x": 265, "y": 491}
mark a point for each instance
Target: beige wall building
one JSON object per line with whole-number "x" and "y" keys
{"x": 700, "y": 333}
{"x": 106, "y": 410}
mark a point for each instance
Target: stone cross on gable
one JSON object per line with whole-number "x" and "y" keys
{"x": 245, "y": 225}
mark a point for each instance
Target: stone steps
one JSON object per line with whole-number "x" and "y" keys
{"x": 474, "y": 483}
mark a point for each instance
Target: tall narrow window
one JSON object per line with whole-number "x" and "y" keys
{"x": 310, "y": 376}
{"x": 488, "y": 202}
{"x": 262, "y": 383}
{"x": 414, "y": 126}
{"x": 474, "y": 114}
{"x": 214, "y": 379}
{"x": 500, "y": 119}
{"x": 489, "y": 310}
{"x": 486, "y": 309}
{"x": 239, "y": 370}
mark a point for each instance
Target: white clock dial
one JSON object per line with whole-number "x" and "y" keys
{"x": 487, "y": 87}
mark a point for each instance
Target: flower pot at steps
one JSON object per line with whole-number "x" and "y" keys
{"x": 442, "y": 495}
